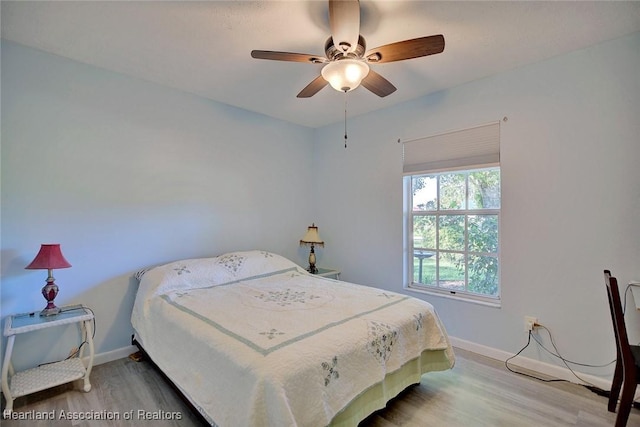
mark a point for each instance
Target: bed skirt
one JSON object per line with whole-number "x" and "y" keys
{"x": 376, "y": 397}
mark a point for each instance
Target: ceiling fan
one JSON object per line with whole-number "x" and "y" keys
{"x": 346, "y": 58}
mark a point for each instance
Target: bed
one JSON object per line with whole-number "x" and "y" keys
{"x": 252, "y": 339}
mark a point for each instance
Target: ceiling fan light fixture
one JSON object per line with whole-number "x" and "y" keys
{"x": 347, "y": 58}
{"x": 344, "y": 75}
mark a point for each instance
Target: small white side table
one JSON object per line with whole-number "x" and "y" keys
{"x": 328, "y": 272}
{"x": 16, "y": 384}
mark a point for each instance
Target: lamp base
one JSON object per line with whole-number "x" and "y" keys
{"x": 50, "y": 311}
{"x": 49, "y": 292}
{"x": 312, "y": 261}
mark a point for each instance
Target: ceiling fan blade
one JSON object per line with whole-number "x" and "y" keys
{"x": 313, "y": 87}
{"x": 344, "y": 20}
{"x": 378, "y": 84}
{"x": 407, "y": 49}
{"x": 287, "y": 56}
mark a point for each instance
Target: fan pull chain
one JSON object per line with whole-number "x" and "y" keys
{"x": 345, "y": 119}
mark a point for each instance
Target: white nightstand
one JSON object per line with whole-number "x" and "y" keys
{"x": 328, "y": 272}
{"x": 16, "y": 384}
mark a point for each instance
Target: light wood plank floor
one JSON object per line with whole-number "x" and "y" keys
{"x": 478, "y": 392}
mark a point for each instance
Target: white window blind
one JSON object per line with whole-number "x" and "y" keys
{"x": 461, "y": 149}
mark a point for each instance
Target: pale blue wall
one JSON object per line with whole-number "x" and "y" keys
{"x": 571, "y": 195}
{"x": 123, "y": 174}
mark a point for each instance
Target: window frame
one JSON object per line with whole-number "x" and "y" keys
{"x": 408, "y": 256}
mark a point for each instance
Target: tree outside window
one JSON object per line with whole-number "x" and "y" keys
{"x": 455, "y": 224}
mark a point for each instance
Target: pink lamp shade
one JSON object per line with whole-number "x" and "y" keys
{"x": 49, "y": 258}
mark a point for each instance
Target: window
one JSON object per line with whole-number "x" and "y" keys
{"x": 454, "y": 226}
{"x": 452, "y": 214}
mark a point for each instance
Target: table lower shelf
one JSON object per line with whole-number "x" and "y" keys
{"x": 46, "y": 376}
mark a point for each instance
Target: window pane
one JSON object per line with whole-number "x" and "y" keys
{"x": 424, "y": 267}
{"x": 452, "y": 191}
{"x": 451, "y": 232}
{"x": 484, "y": 189}
{"x": 425, "y": 195}
{"x": 424, "y": 231}
{"x": 483, "y": 233}
{"x": 454, "y": 224}
{"x": 483, "y": 275}
{"x": 451, "y": 271}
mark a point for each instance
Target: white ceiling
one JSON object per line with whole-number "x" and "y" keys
{"x": 204, "y": 47}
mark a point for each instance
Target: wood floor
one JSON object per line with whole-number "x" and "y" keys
{"x": 478, "y": 392}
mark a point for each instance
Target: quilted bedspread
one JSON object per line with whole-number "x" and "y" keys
{"x": 252, "y": 345}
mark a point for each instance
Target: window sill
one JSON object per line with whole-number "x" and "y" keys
{"x": 495, "y": 303}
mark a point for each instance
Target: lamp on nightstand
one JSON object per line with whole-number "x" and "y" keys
{"x": 49, "y": 258}
{"x": 312, "y": 238}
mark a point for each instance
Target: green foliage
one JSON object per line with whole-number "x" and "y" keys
{"x": 483, "y": 275}
{"x": 424, "y": 231}
{"x": 484, "y": 189}
{"x": 452, "y": 189}
{"x": 451, "y": 232}
{"x": 461, "y": 190}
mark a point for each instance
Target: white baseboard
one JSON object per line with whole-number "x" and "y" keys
{"x": 548, "y": 369}
{"x": 112, "y": 355}
{"x": 521, "y": 361}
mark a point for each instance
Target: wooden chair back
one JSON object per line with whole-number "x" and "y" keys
{"x": 627, "y": 373}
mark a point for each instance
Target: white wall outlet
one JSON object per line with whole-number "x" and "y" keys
{"x": 529, "y": 323}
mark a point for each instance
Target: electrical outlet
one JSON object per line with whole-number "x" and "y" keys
{"x": 530, "y": 323}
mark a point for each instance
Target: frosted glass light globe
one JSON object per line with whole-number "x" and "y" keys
{"x": 344, "y": 75}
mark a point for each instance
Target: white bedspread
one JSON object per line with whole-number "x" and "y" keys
{"x": 254, "y": 340}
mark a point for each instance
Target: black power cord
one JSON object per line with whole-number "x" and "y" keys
{"x": 595, "y": 389}
{"x": 84, "y": 340}
{"x": 556, "y": 354}
{"x": 506, "y": 364}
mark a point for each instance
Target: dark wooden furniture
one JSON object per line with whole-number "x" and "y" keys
{"x": 627, "y": 372}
